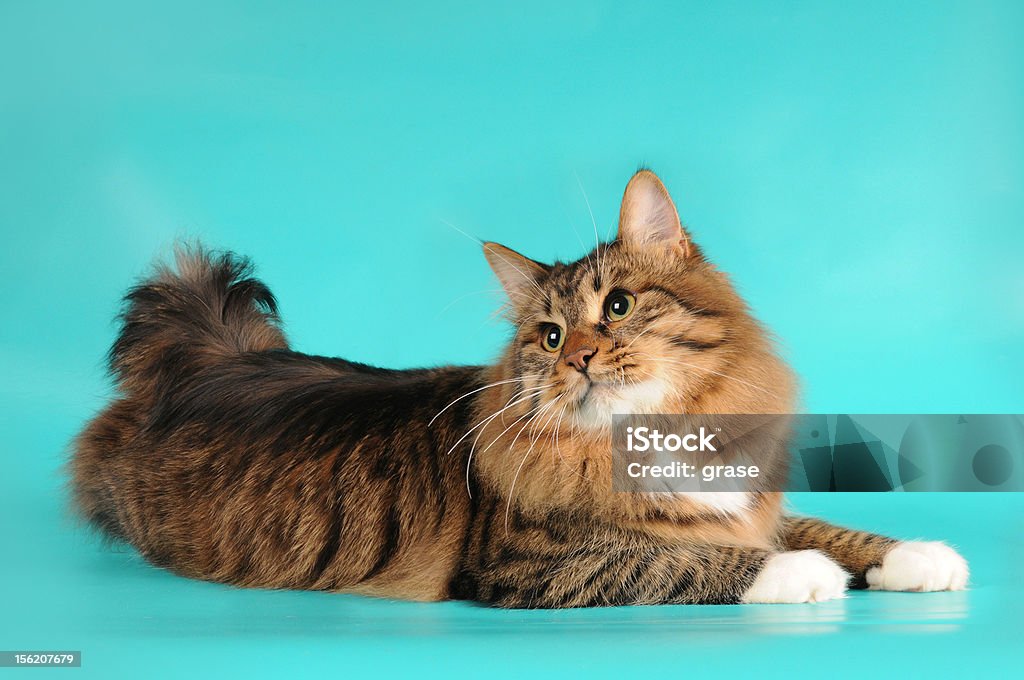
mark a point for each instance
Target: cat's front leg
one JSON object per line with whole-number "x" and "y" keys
{"x": 878, "y": 562}
{"x": 919, "y": 566}
{"x": 799, "y": 576}
{"x": 544, "y": 574}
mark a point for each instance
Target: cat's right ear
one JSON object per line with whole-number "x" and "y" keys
{"x": 518, "y": 274}
{"x": 648, "y": 217}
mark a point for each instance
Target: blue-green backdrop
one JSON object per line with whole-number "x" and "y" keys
{"x": 857, "y": 167}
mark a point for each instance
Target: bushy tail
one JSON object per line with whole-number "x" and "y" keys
{"x": 206, "y": 308}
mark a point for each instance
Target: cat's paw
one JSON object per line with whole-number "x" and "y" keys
{"x": 802, "y": 576}
{"x": 919, "y": 566}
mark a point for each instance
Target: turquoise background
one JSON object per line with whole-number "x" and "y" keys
{"x": 857, "y": 167}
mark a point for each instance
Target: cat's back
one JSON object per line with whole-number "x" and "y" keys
{"x": 258, "y": 470}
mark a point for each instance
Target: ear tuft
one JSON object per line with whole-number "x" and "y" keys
{"x": 518, "y": 274}
{"x": 648, "y": 217}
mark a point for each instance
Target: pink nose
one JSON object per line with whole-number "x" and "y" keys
{"x": 580, "y": 358}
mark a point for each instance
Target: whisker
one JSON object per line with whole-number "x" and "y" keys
{"x": 708, "y": 370}
{"x": 572, "y": 224}
{"x": 525, "y": 425}
{"x": 519, "y": 326}
{"x": 673, "y": 391}
{"x": 597, "y": 250}
{"x": 469, "y": 459}
{"x": 481, "y": 389}
{"x": 489, "y": 419}
{"x": 511, "y": 491}
{"x": 637, "y": 337}
{"x": 472, "y": 238}
{"x": 528, "y": 278}
{"x": 463, "y": 297}
{"x": 505, "y": 431}
{"x": 558, "y": 449}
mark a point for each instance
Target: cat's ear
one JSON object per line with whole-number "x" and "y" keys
{"x": 518, "y": 274}
{"x": 648, "y": 217}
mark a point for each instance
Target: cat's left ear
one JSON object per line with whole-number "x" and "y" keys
{"x": 518, "y": 274}
{"x": 649, "y": 218}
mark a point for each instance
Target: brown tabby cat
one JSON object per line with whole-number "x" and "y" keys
{"x": 231, "y": 458}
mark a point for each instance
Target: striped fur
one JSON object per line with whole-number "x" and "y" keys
{"x": 229, "y": 457}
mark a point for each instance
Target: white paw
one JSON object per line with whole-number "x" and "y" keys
{"x": 803, "y": 576}
{"x": 920, "y": 566}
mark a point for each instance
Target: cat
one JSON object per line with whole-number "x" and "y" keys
{"x": 227, "y": 456}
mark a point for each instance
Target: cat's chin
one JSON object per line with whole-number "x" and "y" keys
{"x": 602, "y": 400}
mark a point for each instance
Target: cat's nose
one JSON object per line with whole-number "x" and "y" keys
{"x": 580, "y": 358}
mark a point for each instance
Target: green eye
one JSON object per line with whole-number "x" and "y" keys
{"x": 552, "y": 338}
{"x": 619, "y": 305}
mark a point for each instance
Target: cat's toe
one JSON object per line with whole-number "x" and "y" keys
{"x": 802, "y": 576}
{"x": 920, "y": 566}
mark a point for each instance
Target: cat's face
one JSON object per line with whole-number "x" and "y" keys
{"x": 641, "y": 325}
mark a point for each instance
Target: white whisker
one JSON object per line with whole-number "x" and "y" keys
{"x": 463, "y": 297}
{"x": 558, "y": 449}
{"x": 533, "y": 442}
{"x": 488, "y": 419}
{"x": 637, "y": 337}
{"x": 572, "y": 224}
{"x": 708, "y": 370}
{"x": 469, "y": 459}
{"x": 597, "y": 237}
{"x": 480, "y": 389}
{"x": 472, "y": 238}
{"x": 528, "y": 278}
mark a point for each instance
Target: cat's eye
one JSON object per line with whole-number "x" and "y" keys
{"x": 551, "y": 338}
{"x": 619, "y": 305}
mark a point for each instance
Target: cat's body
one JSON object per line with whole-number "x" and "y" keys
{"x": 229, "y": 457}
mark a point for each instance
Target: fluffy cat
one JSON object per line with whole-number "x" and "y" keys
{"x": 229, "y": 457}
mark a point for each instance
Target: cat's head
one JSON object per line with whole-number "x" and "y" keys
{"x": 644, "y": 324}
